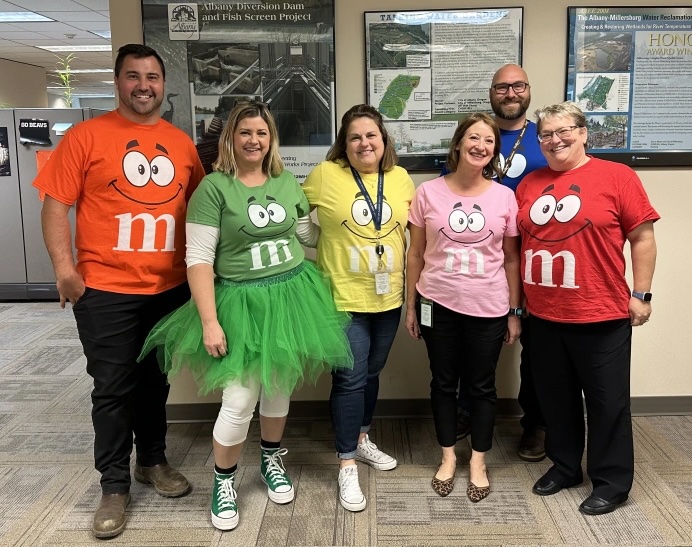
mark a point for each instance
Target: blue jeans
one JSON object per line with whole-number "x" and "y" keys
{"x": 354, "y": 392}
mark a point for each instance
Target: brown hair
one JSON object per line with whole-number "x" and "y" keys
{"x": 272, "y": 163}
{"x": 337, "y": 153}
{"x": 493, "y": 168}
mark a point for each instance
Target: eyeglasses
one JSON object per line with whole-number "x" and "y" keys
{"x": 562, "y": 133}
{"x": 517, "y": 87}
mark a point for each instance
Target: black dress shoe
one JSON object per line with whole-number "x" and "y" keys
{"x": 547, "y": 485}
{"x": 593, "y": 505}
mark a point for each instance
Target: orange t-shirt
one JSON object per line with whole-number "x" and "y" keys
{"x": 131, "y": 184}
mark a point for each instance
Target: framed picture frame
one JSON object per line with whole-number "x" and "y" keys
{"x": 630, "y": 70}
{"x": 428, "y": 69}
{"x": 216, "y": 54}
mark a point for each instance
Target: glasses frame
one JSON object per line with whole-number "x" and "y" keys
{"x": 547, "y": 136}
{"x": 497, "y": 91}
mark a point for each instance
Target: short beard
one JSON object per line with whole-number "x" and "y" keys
{"x": 523, "y": 107}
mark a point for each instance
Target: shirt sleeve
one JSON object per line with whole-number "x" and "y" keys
{"x": 312, "y": 186}
{"x": 62, "y": 177}
{"x": 512, "y": 229}
{"x": 635, "y": 207}
{"x": 416, "y": 214}
{"x": 205, "y": 205}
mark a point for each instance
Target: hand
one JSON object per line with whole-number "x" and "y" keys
{"x": 214, "y": 339}
{"x": 513, "y": 329}
{"x": 412, "y": 323}
{"x": 70, "y": 287}
{"x": 640, "y": 311}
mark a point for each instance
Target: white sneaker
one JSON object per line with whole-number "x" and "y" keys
{"x": 350, "y": 494}
{"x": 367, "y": 452}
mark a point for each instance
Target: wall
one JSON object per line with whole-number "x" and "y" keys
{"x": 22, "y": 85}
{"x": 660, "y": 363}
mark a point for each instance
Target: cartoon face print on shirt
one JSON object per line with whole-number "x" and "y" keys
{"x": 147, "y": 182}
{"x": 362, "y": 216}
{"x": 466, "y": 228}
{"x": 552, "y": 216}
{"x": 266, "y": 221}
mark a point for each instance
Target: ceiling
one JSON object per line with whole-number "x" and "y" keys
{"x": 81, "y": 18}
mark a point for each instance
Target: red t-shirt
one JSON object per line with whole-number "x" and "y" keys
{"x": 573, "y": 227}
{"x": 131, "y": 184}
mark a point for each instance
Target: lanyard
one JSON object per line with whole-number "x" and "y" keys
{"x": 376, "y": 211}
{"x": 508, "y": 160}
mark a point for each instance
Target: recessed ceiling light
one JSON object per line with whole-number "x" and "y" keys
{"x": 64, "y": 49}
{"x": 87, "y": 70}
{"x": 107, "y": 81}
{"x": 102, "y": 33}
{"x": 22, "y": 17}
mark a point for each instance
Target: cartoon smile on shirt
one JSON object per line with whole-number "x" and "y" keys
{"x": 362, "y": 216}
{"x": 460, "y": 222}
{"x": 263, "y": 216}
{"x": 140, "y": 171}
{"x": 547, "y": 207}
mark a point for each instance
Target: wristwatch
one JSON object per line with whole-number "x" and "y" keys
{"x": 516, "y": 311}
{"x": 645, "y": 296}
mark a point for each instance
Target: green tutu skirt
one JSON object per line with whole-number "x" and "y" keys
{"x": 280, "y": 331}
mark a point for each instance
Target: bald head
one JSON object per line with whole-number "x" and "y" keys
{"x": 510, "y": 107}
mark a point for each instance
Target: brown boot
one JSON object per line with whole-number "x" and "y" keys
{"x": 532, "y": 445}
{"x": 167, "y": 482}
{"x": 109, "y": 519}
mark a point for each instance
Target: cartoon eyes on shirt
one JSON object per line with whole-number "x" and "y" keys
{"x": 139, "y": 171}
{"x": 547, "y": 207}
{"x": 362, "y": 215}
{"x": 260, "y": 216}
{"x": 460, "y": 221}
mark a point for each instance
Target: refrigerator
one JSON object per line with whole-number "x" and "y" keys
{"x": 27, "y": 135}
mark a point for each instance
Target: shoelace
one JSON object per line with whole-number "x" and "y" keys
{"x": 275, "y": 466}
{"x": 370, "y": 447}
{"x": 227, "y": 493}
{"x": 349, "y": 483}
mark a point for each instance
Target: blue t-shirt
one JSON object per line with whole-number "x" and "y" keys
{"x": 527, "y": 158}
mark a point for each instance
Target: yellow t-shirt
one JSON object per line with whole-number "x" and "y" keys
{"x": 346, "y": 248}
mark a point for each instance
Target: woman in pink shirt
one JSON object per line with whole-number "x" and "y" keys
{"x": 464, "y": 290}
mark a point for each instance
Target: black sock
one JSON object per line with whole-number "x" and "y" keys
{"x": 225, "y": 471}
{"x": 268, "y": 445}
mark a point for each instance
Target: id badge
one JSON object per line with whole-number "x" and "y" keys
{"x": 382, "y": 284}
{"x": 426, "y": 312}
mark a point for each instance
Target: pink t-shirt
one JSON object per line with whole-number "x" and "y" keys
{"x": 464, "y": 262}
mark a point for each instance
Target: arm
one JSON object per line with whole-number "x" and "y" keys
{"x": 414, "y": 266}
{"x": 307, "y": 231}
{"x": 510, "y": 247}
{"x": 643, "y": 253}
{"x": 58, "y": 238}
{"x": 201, "y": 252}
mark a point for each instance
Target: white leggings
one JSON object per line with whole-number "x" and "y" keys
{"x": 237, "y": 407}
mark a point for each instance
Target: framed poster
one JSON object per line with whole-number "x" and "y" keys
{"x": 426, "y": 70}
{"x": 278, "y": 53}
{"x": 630, "y": 70}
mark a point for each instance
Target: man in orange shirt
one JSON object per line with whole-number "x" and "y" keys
{"x": 130, "y": 174}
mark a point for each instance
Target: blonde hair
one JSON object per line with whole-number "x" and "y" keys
{"x": 561, "y": 110}
{"x": 226, "y": 163}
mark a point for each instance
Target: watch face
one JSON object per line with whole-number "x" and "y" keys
{"x": 647, "y": 297}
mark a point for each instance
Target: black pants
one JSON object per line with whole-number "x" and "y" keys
{"x": 533, "y": 417}
{"x": 466, "y": 348}
{"x": 594, "y": 358}
{"x": 128, "y": 397}
{"x": 528, "y": 400}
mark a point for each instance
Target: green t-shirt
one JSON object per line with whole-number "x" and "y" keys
{"x": 257, "y": 225}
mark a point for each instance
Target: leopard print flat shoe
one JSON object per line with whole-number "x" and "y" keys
{"x": 442, "y": 487}
{"x": 478, "y": 493}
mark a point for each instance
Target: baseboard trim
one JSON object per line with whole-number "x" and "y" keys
{"x": 420, "y": 408}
